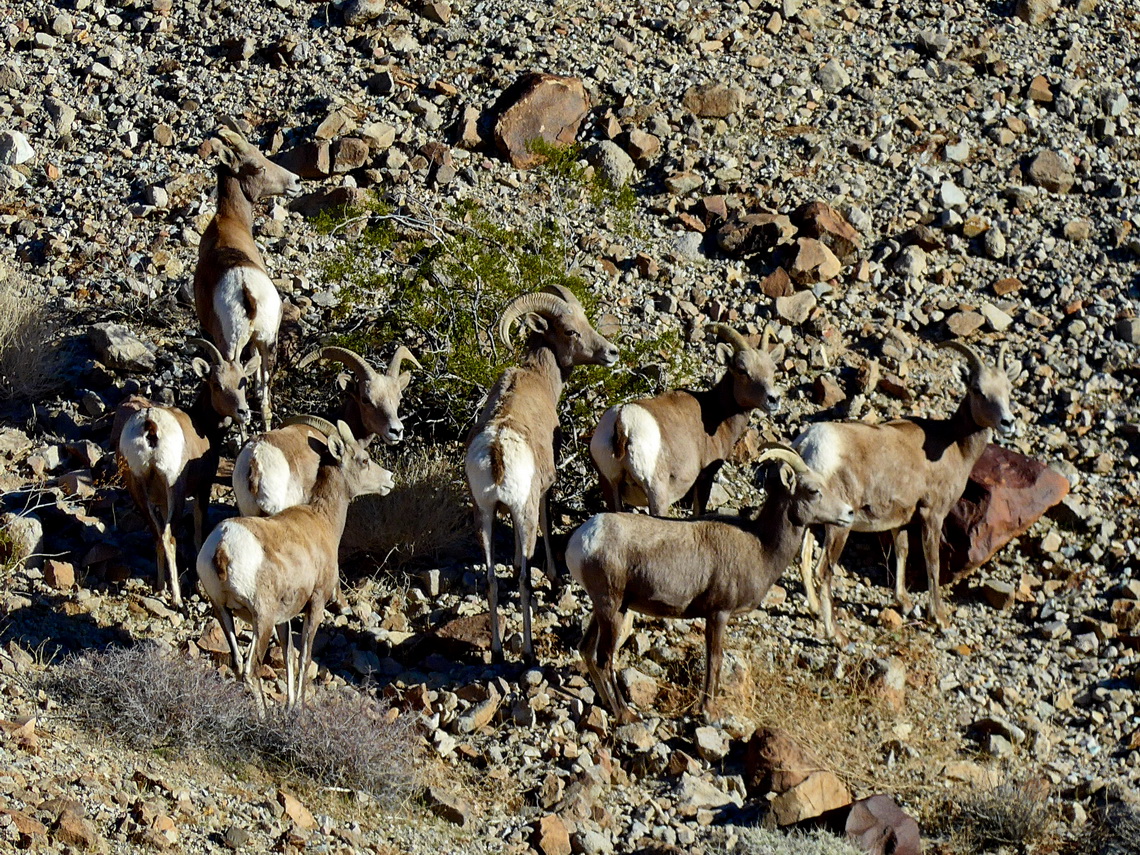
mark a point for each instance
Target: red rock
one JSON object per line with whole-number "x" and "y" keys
{"x": 881, "y": 827}
{"x": 1007, "y": 493}
{"x": 821, "y": 221}
{"x": 539, "y": 106}
{"x": 30, "y": 830}
{"x": 777, "y": 284}
{"x": 59, "y": 574}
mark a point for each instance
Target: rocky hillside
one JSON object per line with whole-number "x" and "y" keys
{"x": 864, "y": 178}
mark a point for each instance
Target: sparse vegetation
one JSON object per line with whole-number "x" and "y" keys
{"x": 161, "y": 701}
{"x": 758, "y": 841}
{"x": 1115, "y": 831}
{"x": 29, "y": 354}
{"x": 1010, "y": 817}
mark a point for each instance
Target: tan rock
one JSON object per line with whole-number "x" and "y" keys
{"x": 713, "y": 100}
{"x": 819, "y": 792}
{"x": 349, "y": 153}
{"x": 59, "y": 574}
{"x": 1039, "y": 90}
{"x": 297, "y": 812}
{"x": 813, "y": 262}
{"x": 539, "y": 107}
{"x": 796, "y": 308}
{"x": 774, "y": 762}
{"x": 551, "y": 836}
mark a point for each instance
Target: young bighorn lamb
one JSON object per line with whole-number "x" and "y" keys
{"x": 372, "y": 405}
{"x": 905, "y": 472}
{"x": 654, "y": 451}
{"x": 278, "y": 469}
{"x": 236, "y": 302}
{"x": 268, "y": 570}
{"x": 708, "y": 568}
{"x": 167, "y": 455}
{"x": 510, "y": 450}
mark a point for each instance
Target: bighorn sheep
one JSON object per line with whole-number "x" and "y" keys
{"x": 268, "y": 570}
{"x": 710, "y": 568}
{"x": 167, "y": 455}
{"x": 236, "y": 302}
{"x": 510, "y": 450}
{"x": 373, "y": 403}
{"x": 656, "y": 450}
{"x": 905, "y": 472}
{"x": 278, "y": 469}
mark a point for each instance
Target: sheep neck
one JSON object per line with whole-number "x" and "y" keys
{"x": 329, "y": 498}
{"x": 720, "y": 407}
{"x": 206, "y": 420}
{"x": 779, "y": 537}
{"x": 966, "y": 433}
{"x": 233, "y": 204}
{"x": 541, "y": 360}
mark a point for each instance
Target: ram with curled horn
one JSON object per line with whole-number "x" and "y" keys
{"x": 510, "y": 463}
{"x": 168, "y": 455}
{"x": 709, "y": 568}
{"x": 905, "y": 474}
{"x": 372, "y": 399}
{"x": 655, "y": 451}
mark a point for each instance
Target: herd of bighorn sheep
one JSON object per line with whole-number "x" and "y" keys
{"x": 293, "y": 484}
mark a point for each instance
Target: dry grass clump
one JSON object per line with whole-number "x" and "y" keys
{"x": 426, "y": 516}
{"x": 759, "y": 841}
{"x": 155, "y": 700}
{"x": 29, "y": 354}
{"x": 1116, "y": 831}
{"x": 1010, "y": 817}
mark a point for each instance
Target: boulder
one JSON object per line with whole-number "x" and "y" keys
{"x": 821, "y": 221}
{"x": 1007, "y": 493}
{"x": 812, "y": 261}
{"x": 713, "y": 100}
{"x": 1052, "y": 171}
{"x": 774, "y": 762}
{"x": 612, "y": 162}
{"x": 117, "y": 347}
{"x": 309, "y": 160}
{"x": 538, "y": 106}
{"x": 880, "y": 827}
{"x": 818, "y": 793}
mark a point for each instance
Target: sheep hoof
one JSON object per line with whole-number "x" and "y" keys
{"x": 905, "y": 603}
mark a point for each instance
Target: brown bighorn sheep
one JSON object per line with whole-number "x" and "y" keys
{"x": 510, "y": 450}
{"x": 373, "y": 403}
{"x": 278, "y": 469}
{"x": 236, "y": 302}
{"x": 654, "y": 451}
{"x": 167, "y": 455}
{"x": 268, "y": 570}
{"x": 903, "y": 473}
{"x": 711, "y": 568}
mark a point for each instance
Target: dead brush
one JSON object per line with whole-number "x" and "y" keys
{"x": 29, "y": 350}
{"x": 1009, "y": 817}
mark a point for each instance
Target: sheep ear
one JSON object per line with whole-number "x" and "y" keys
{"x": 404, "y": 380}
{"x": 1013, "y": 371}
{"x": 788, "y": 478}
{"x": 778, "y": 353}
{"x": 336, "y": 446}
{"x": 228, "y": 157}
{"x": 536, "y": 322}
{"x": 253, "y": 364}
{"x": 200, "y": 367}
{"x": 342, "y": 380}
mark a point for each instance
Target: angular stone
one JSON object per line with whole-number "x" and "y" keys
{"x": 551, "y": 836}
{"x": 963, "y": 324}
{"x": 1007, "y": 493}
{"x": 833, "y": 77}
{"x": 1007, "y": 286}
{"x": 59, "y": 574}
{"x": 640, "y": 689}
{"x": 336, "y": 198}
{"x": 1078, "y": 230}
{"x": 821, "y": 221}
{"x": 1000, "y": 595}
{"x": 360, "y": 12}
{"x": 998, "y": 320}
{"x": 15, "y": 148}
{"x": 821, "y": 791}
{"x": 1052, "y": 171}
{"x": 774, "y": 762}
{"x": 25, "y": 538}
{"x": 349, "y": 153}
{"x": 878, "y": 825}
{"x": 797, "y": 308}
{"x": 297, "y": 812}
{"x": 1039, "y": 90}
{"x": 694, "y": 794}
{"x": 74, "y": 829}
{"x": 713, "y": 100}
{"x": 612, "y": 162}
{"x": 712, "y": 744}
{"x": 117, "y": 347}
{"x": 777, "y": 284}
{"x": 680, "y": 183}
{"x": 437, "y": 11}
{"x": 826, "y": 392}
{"x": 911, "y": 262}
{"x": 1036, "y": 12}
{"x": 642, "y": 147}
{"x": 335, "y": 123}
{"x": 950, "y": 196}
{"x": 308, "y": 160}
{"x": 448, "y": 806}
{"x": 538, "y": 106}
{"x": 812, "y": 262}
{"x": 744, "y": 234}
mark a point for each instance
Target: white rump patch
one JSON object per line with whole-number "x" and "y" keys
{"x": 821, "y": 447}
{"x": 584, "y": 542}
{"x": 279, "y": 487}
{"x": 518, "y": 469}
{"x": 230, "y": 308}
{"x": 601, "y": 445}
{"x": 644, "y": 435}
{"x": 246, "y": 557}
{"x": 165, "y": 457}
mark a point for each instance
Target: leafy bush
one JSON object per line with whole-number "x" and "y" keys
{"x": 29, "y": 355}
{"x": 163, "y": 701}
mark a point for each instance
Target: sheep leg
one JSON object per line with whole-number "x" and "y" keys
{"x": 484, "y": 519}
{"x": 834, "y": 541}
{"x": 611, "y": 492}
{"x": 806, "y": 573}
{"x": 264, "y": 373}
{"x": 313, "y": 618}
{"x": 902, "y": 548}
{"x": 609, "y": 623}
{"x": 551, "y": 569}
{"x": 931, "y": 532}
{"x": 168, "y": 565}
{"x": 285, "y": 639}
{"x": 526, "y": 533}
{"x": 702, "y": 489}
{"x": 262, "y": 635}
{"x": 227, "y": 621}
{"x": 589, "y": 651}
{"x": 714, "y": 652}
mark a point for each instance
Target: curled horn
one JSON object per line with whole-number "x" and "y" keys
{"x": 345, "y": 431}
{"x": 738, "y": 342}
{"x": 398, "y": 357}
{"x": 766, "y": 338}
{"x": 323, "y": 425}
{"x": 784, "y": 453}
{"x": 233, "y": 139}
{"x": 1003, "y": 349}
{"x": 540, "y": 302}
{"x": 343, "y": 355}
{"x": 976, "y": 362}
{"x": 209, "y": 349}
{"x": 563, "y": 292}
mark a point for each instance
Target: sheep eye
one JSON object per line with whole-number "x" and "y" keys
{"x": 574, "y": 334}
